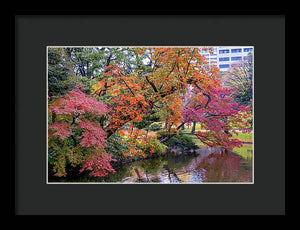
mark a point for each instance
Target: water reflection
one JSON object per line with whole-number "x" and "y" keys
{"x": 205, "y": 165}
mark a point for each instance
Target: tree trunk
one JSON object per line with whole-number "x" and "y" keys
{"x": 164, "y": 139}
{"x": 194, "y": 127}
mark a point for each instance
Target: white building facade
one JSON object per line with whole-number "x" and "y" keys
{"x": 225, "y": 56}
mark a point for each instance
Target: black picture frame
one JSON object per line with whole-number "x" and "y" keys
{"x": 32, "y": 33}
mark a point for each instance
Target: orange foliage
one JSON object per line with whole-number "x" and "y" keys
{"x": 173, "y": 72}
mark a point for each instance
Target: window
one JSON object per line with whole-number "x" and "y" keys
{"x": 248, "y": 49}
{"x": 223, "y": 51}
{"x": 236, "y": 50}
{"x": 224, "y": 66}
{"x": 236, "y": 58}
{"x": 224, "y": 59}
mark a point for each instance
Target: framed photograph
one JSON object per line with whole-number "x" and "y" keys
{"x": 150, "y": 114}
{"x": 177, "y": 116}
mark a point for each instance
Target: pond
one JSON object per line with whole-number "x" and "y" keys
{"x": 201, "y": 166}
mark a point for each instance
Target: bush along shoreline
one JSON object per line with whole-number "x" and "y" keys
{"x": 177, "y": 145}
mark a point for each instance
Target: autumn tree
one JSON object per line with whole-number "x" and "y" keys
{"x": 161, "y": 83}
{"x": 76, "y": 136}
{"x": 220, "y": 118}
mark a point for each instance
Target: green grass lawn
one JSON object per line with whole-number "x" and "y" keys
{"x": 247, "y": 137}
{"x": 245, "y": 151}
{"x": 189, "y": 129}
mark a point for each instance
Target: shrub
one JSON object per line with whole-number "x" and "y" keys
{"x": 155, "y": 127}
{"x": 153, "y": 146}
{"x": 181, "y": 141}
{"x": 116, "y": 146}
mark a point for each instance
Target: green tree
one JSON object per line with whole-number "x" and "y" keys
{"x": 240, "y": 77}
{"x": 57, "y": 73}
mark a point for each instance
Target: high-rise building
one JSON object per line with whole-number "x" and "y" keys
{"x": 225, "y": 56}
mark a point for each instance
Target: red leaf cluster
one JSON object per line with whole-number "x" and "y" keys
{"x": 93, "y": 134}
{"x": 77, "y": 102}
{"x": 62, "y": 129}
{"x": 98, "y": 164}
